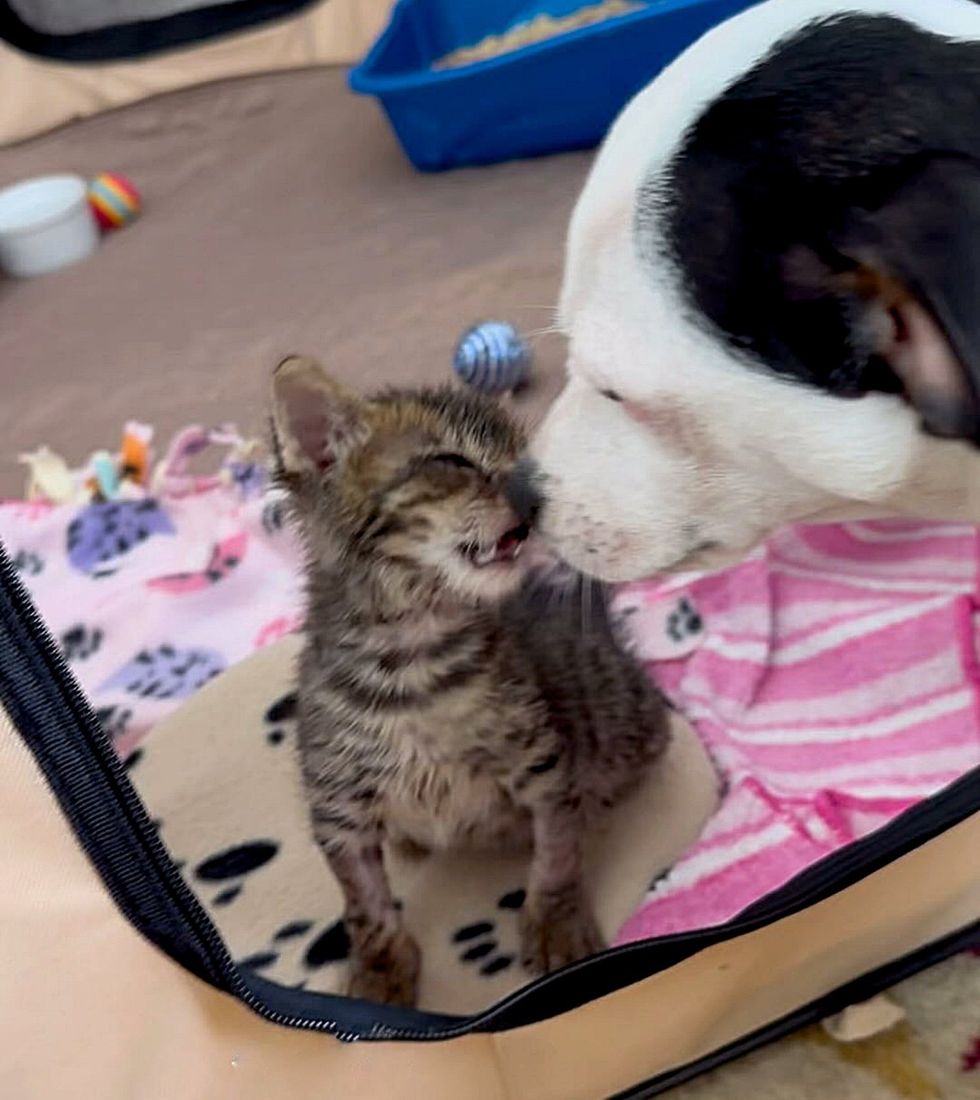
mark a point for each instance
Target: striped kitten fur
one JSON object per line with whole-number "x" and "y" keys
{"x": 445, "y": 698}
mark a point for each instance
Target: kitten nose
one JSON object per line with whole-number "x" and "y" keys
{"x": 522, "y": 490}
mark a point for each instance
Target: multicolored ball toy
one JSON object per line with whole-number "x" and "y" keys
{"x": 114, "y": 200}
{"x": 492, "y": 357}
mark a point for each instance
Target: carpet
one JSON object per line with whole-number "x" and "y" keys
{"x": 280, "y": 217}
{"x": 934, "y": 1054}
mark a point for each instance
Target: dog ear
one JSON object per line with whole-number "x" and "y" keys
{"x": 915, "y": 280}
{"x": 314, "y": 418}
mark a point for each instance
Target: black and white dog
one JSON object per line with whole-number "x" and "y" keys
{"x": 772, "y": 292}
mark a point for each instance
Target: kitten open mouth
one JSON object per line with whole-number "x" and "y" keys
{"x": 505, "y": 550}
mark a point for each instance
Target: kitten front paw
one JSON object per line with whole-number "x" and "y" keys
{"x": 552, "y": 936}
{"x": 389, "y": 974}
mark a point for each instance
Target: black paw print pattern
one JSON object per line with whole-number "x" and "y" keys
{"x": 104, "y": 532}
{"x": 684, "y": 621}
{"x": 259, "y": 961}
{"x": 281, "y": 711}
{"x": 477, "y": 943}
{"x": 80, "y": 641}
{"x": 330, "y": 945}
{"x": 27, "y": 563}
{"x": 167, "y": 672}
{"x": 228, "y": 869}
{"x": 133, "y": 759}
{"x": 114, "y": 720}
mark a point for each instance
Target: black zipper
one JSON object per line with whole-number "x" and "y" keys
{"x": 45, "y": 703}
{"x": 132, "y": 39}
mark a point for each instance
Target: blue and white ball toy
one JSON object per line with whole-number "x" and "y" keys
{"x": 492, "y": 357}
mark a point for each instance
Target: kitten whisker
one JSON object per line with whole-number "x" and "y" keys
{"x": 537, "y": 334}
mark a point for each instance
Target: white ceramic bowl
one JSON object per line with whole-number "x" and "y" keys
{"x": 45, "y": 224}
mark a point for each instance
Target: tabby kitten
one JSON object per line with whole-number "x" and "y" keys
{"x": 443, "y": 700}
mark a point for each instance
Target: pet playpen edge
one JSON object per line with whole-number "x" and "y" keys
{"x": 77, "y": 978}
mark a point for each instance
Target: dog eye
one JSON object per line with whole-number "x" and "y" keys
{"x": 461, "y": 462}
{"x": 611, "y": 394}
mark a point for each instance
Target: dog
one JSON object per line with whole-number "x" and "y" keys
{"x": 772, "y": 293}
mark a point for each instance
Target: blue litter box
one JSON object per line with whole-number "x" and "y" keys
{"x": 561, "y": 93}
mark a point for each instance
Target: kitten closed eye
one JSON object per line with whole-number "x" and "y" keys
{"x": 447, "y": 458}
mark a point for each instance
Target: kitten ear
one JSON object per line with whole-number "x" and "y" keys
{"x": 314, "y": 418}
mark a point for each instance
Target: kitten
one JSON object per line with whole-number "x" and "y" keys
{"x": 443, "y": 699}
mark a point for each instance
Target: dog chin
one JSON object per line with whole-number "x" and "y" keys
{"x": 614, "y": 568}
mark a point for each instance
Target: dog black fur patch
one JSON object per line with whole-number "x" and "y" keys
{"x": 833, "y": 120}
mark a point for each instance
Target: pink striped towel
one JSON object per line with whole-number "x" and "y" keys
{"x": 833, "y": 677}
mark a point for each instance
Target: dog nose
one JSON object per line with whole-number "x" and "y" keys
{"x": 523, "y": 491}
